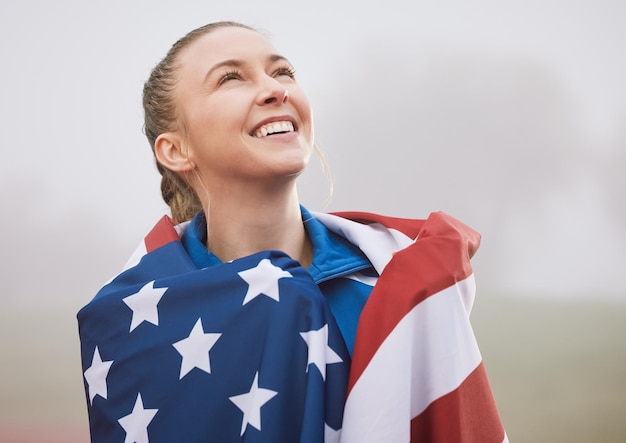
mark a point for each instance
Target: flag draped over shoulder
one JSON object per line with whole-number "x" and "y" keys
{"x": 249, "y": 350}
{"x": 417, "y": 373}
{"x": 243, "y": 351}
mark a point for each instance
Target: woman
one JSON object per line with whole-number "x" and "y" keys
{"x": 245, "y": 317}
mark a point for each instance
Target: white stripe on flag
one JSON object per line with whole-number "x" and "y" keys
{"x": 136, "y": 257}
{"x": 427, "y": 355}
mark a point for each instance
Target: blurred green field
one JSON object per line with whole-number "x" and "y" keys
{"x": 558, "y": 371}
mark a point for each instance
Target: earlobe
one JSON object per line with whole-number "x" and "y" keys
{"x": 169, "y": 152}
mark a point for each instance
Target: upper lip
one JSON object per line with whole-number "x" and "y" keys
{"x": 277, "y": 118}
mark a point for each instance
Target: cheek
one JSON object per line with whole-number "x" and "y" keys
{"x": 215, "y": 144}
{"x": 303, "y": 103}
{"x": 207, "y": 128}
{"x": 303, "y": 107}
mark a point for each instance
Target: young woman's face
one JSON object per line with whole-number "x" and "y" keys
{"x": 245, "y": 117}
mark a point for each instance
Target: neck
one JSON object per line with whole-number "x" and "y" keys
{"x": 243, "y": 223}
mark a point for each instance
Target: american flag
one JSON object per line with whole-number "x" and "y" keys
{"x": 417, "y": 373}
{"x": 249, "y": 350}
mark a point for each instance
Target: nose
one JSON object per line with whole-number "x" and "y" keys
{"x": 273, "y": 92}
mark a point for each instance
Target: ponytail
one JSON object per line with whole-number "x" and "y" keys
{"x": 178, "y": 195}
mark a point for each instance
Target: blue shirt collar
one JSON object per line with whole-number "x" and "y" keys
{"x": 333, "y": 255}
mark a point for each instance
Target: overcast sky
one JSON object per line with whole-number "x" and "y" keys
{"x": 509, "y": 115}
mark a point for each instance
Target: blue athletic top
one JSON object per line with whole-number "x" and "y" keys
{"x": 335, "y": 262}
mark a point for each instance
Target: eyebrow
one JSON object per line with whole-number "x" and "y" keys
{"x": 273, "y": 58}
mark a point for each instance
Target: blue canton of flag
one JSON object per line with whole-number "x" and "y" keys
{"x": 243, "y": 351}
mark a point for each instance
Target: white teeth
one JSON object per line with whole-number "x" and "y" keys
{"x": 274, "y": 127}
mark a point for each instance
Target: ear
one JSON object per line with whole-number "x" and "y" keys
{"x": 171, "y": 153}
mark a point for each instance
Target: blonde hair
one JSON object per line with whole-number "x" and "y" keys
{"x": 160, "y": 116}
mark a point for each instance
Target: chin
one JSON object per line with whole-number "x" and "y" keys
{"x": 292, "y": 162}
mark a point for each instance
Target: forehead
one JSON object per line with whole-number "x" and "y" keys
{"x": 225, "y": 44}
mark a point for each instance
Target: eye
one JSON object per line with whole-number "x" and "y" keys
{"x": 230, "y": 75}
{"x": 285, "y": 71}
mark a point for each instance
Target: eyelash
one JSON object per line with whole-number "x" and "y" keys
{"x": 230, "y": 75}
{"x": 286, "y": 70}
{"x": 236, "y": 75}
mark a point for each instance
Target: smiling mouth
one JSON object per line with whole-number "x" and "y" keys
{"x": 280, "y": 127}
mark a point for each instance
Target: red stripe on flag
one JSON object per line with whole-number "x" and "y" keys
{"x": 438, "y": 259}
{"x": 467, "y": 414}
{"x": 162, "y": 234}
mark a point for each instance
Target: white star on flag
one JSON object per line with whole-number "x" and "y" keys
{"x": 251, "y": 403}
{"x": 320, "y": 354}
{"x": 96, "y": 376}
{"x": 263, "y": 279}
{"x": 144, "y": 305}
{"x": 195, "y": 349}
{"x": 136, "y": 423}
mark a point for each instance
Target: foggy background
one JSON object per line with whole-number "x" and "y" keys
{"x": 508, "y": 115}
